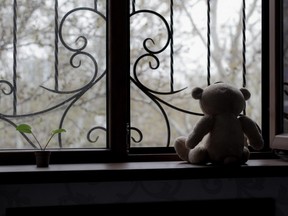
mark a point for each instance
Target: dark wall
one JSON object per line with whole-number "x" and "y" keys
{"x": 254, "y": 190}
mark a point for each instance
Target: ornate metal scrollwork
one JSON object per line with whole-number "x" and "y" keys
{"x": 149, "y": 92}
{"x": 73, "y": 95}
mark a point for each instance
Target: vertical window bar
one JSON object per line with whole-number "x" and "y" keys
{"x": 14, "y": 57}
{"x": 208, "y": 42}
{"x": 95, "y": 5}
{"x": 118, "y": 64}
{"x": 244, "y": 47}
{"x": 171, "y": 49}
{"x": 56, "y": 45}
{"x": 133, "y": 6}
{"x": 244, "y": 42}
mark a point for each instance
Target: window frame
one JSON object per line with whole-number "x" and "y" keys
{"x": 278, "y": 139}
{"x": 118, "y": 100}
{"x": 164, "y": 153}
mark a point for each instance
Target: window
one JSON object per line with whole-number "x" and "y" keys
{"x": 278, "y": 79}
{"x": 112, "y": 113}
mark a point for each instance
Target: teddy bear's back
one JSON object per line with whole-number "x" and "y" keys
{"x": 226, "y": 137}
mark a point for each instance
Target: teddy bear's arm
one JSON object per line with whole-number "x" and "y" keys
{"x": 252, "y": 132}
{"x": 202, "y": 128}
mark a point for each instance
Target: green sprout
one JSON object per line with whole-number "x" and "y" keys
{"x": 25, "y": 128}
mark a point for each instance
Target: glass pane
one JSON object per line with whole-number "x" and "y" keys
{"x": 53, "y": 66}
{"x": 169, "y": 58}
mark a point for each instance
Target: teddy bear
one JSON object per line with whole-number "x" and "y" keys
{"x": 223, "y": 134}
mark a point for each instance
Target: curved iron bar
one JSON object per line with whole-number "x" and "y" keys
{"x": 10, "y": 86}
{"x": 23, "y": 134}
{"x": 145, "y": 46}
{"x": 150, "y": 92}
{"x": 157, "y": 101}
{"x": 83, "y": 90}
{"x": 75, "y": 98}
{"x": 164, "y": 102}
{"x": 143, "y": 87}
{"x": 81, "y": 37}
{"x": 77, "y": 66}
{"x": 93, "y": 129}
{"x": 139, "y": 132}
{"x": 77, "y": 52}
{"x": 165, "y": 118}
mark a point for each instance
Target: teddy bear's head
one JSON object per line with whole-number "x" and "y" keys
{"x": 220, "y": 98}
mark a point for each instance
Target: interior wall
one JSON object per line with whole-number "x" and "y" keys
{"x": 30, "y": 195}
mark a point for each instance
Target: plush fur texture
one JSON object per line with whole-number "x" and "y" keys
{"x": 222, "y": 135}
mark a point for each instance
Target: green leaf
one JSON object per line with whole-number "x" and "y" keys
{"x": 58, "y": 131}
{"x": 24, "y": 128}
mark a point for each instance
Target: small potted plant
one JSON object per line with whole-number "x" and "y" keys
{"x": 42, "y": 156}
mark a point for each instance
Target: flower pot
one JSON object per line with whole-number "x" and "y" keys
{"x": 42, "y": 158}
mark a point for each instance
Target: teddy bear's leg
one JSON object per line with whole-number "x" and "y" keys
{"x": 232, "y": 160}
{"x": 180, "y": 148}
{"x": 198, "y": 155}
{"x": 245, "y": 155}
{"x": 236, "y": 160}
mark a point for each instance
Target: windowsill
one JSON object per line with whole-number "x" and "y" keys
{"x": 133, "y": 171}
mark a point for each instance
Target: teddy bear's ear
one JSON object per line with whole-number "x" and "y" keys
{"x": 245, "y": 93}
{"x": 197, "y": 93}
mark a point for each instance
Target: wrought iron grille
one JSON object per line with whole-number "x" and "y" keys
{"x": 69, "y": 54}
{"x": 170, "y": 54}
{"x": 178, "y": 111}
